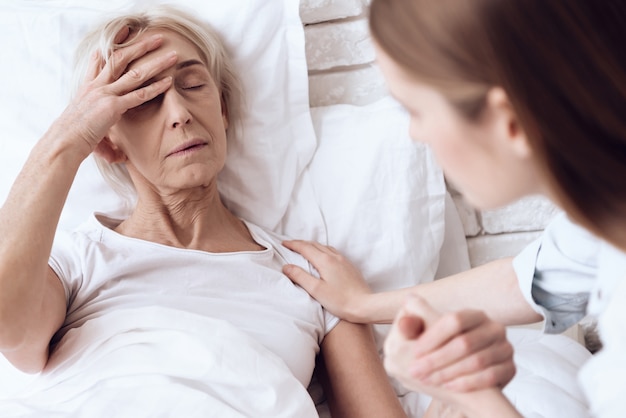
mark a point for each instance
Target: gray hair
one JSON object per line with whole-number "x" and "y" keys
{"x": 212, "y": 52}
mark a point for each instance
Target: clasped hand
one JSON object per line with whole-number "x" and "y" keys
{"x": 446, "y": 355}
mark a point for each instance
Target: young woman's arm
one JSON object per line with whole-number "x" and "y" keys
{"x": 492, "y": 287}
{"x": 449, "y": 356}
{"x": 354, "y": 380}
{"x": 484, "y": 404}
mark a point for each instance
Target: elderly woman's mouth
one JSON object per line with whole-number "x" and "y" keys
{"x": 188, "y": 148}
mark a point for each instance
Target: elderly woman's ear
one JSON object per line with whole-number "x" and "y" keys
{"x": 110, "y": 152}
{"x": 224, "y": 106}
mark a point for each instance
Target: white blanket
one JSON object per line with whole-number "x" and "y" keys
{"x": 156, "y": 362}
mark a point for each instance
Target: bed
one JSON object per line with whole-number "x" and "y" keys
{"x": 319, "y": 161}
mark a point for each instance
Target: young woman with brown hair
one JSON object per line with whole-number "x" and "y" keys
{"x": 515, "y": 98}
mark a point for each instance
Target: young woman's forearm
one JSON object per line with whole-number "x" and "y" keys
{"x": 492, "y": 287}
{"x": 28, "y": 221}
{"x": 485, "y": 405}
{"x": 489, "y": 403}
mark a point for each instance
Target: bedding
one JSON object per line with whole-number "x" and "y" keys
{"x": 336, "y": 174}
{"x": 153, "y": 361}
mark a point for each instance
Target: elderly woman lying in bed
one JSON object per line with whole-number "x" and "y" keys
{"x": 181, "y": 302}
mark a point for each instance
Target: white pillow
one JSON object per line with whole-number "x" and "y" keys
{"x": 381, "y": 196}
{"x": 266, "y": 39}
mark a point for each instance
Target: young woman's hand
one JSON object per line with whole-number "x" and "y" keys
{"x": 447, "y": 354}
{"x": 340, "y": 289}
{"x": 110, "y": 89}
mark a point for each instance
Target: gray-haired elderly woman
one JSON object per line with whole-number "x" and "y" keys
{"x": 156, "y": 98}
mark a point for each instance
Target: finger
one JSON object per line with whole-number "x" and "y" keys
{"x": 410, "y": 326}
{"x": 136, "y": 77}
{"x": 462, "y": 345}
{"x": 396, "y": 349}
{"x": 299, "y": 276}
{"x": 495, "y": 354}
{"x": 446, "y": 342}
{"x": 303, "y": 245}
{"x": 145, "y": 94}
{"x": 94, "y": 66}
{"x": 122, "y": 35}
{"x": 332, "y": 249}
{"x": 496, "y": 376}
{"x": 446, "y": 328}
{"x": 119, "y": 60}
{"x": 417, "y": 305}
{"x": 313, "y": 251}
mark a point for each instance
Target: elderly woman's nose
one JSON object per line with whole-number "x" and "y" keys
{"x": 176, "y": 109}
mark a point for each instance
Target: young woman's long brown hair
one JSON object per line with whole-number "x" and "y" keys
{"x": 563, "y": 65}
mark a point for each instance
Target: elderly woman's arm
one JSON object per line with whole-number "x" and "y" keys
{"x": 355, "y": 382}
{"x": 32, "y": 299}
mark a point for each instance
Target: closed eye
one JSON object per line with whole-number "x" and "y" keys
{"x": 193, "y": 87}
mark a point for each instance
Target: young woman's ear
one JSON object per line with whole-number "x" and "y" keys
{"x": 507, "y": 124}
{"x": 110, "y": 152}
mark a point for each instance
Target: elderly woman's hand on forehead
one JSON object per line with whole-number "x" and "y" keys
{"x": 109, "y": 90}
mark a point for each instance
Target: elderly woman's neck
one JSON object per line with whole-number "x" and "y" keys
{"x": 200, "y": 224}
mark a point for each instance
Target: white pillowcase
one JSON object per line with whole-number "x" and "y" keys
{"x": 266, "y": 40}
{"x": 382, "y": 197}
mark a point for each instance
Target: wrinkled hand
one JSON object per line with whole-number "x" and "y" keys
{"x": 109, "y": 90}
{"x": 341, "y": 288}
{"x": 444, "y": 355}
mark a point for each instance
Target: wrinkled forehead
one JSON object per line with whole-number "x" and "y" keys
{"x": 172, "y": 41}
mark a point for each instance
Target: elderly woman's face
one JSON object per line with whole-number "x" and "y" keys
{"x": 177, "y": 140}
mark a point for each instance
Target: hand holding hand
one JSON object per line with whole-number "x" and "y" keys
{"x": 444, "y": 354}
{"x": 341, "y": 288}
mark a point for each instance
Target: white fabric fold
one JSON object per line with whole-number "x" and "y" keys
{"x": 157, "y": 362}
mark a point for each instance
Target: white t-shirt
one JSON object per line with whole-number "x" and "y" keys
{"x": 567, "y": 274}
{"x": 102, "y": 271}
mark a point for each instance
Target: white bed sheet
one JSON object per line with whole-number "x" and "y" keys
{"x": 157, "y": 362}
